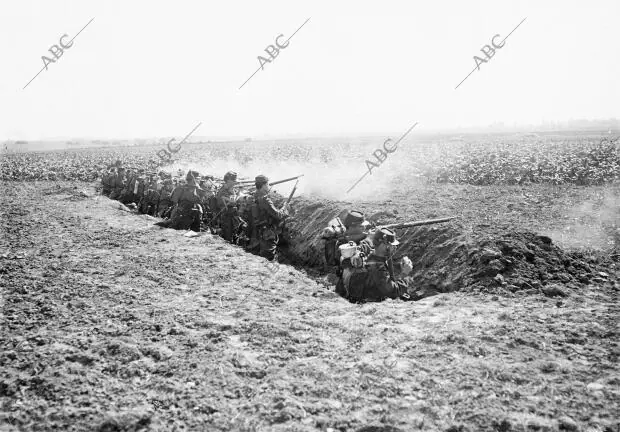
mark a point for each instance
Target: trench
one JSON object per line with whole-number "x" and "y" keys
{"x": 446, "y": 257}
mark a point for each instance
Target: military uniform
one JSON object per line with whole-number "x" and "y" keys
{"x": 117, "y": 184}
{"x": 165, "y": 201}
{"x": 188, "y": 210}
{"x": 373, "y": 279}
{"x": 129, "y": 192}
{"x": 227, "y": 207}
{"x": 106, "y": 181}
{"x": 268, "y": 223}
{"x": 150, "y": 198}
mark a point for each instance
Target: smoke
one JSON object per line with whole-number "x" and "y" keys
{"x": 594, "y": 224}
{"x": 332, "y": 168}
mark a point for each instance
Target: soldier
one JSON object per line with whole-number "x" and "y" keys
{"x": 245, "y": 229}
{"x": 163, "y": 209}
{"x": 131, "y": 188}
{"x": 348, "y": 226}
{"x": 227, "y": 205}
{"x": 268, "y": 224}
{"x": 151, "y": 196}
{"x": 118, "y": 183}
{"x": 106, "y": 181}
{"x": 207, "y": 199}
{"x": 368, "y": 275}
{"x": 188, "y": 210}
{"x": 138, "y": 191}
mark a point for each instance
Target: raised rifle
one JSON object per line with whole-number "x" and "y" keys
{"x": 292, "y": 192}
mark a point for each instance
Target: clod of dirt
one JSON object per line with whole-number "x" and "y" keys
{"x": 379, "y": 429}
{"x": 134, "y": 421}
{"x": 567, "y": 424}
{"x": 554, "y": 291}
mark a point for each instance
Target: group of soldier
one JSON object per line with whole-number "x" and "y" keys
{"x": 361, "y": 254}
{"x": 201, "y": 203}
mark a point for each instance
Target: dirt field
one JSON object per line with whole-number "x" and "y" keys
{"x": 112, "y": 324}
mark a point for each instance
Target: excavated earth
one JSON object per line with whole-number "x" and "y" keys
{"x": 110, "y": 323}
{"x": 446, "y": 257}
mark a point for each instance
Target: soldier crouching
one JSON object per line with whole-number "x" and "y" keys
{"x": 368, "y": 275}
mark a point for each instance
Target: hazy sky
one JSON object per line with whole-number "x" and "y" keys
{"x": 157, "y": 68}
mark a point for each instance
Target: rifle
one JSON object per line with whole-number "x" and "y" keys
{"x": 292, "y": 192}
{"x": 286, "y": 180}
{"x": 417, "y": 223}
{"x": 247, "y": 182}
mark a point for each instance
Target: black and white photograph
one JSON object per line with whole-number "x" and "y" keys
{"x": 330, "y": 216}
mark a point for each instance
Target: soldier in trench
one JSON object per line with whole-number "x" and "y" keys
{"x": 188, "y": 211}
{"x": 117, "y": 184}
{"x": 368, "y": 275}
{"x": 227, "y": 209}
{"x": 269, "y": 219}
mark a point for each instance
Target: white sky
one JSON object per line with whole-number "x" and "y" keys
{"x": 157, "y": 68}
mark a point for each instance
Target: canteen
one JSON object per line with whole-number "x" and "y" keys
{"x": 347, "y": 250}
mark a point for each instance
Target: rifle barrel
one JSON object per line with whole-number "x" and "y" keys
{"x": 272, "y": 183}
{"x": 285, "y": 180}
{"x": 418, "y": 223}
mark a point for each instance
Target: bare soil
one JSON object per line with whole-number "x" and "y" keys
{"x": 110, "y": 323}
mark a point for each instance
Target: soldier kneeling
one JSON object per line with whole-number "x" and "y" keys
{"x": 368, "y": 274}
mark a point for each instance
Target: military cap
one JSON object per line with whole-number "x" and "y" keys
{"x": 353, "y": 217}
{"x": 261, "y": 179}
{"x": 388, "y": 236}
{"x": 230, "y": 175}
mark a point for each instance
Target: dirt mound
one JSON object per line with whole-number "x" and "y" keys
{"x": 448, "y": 257}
